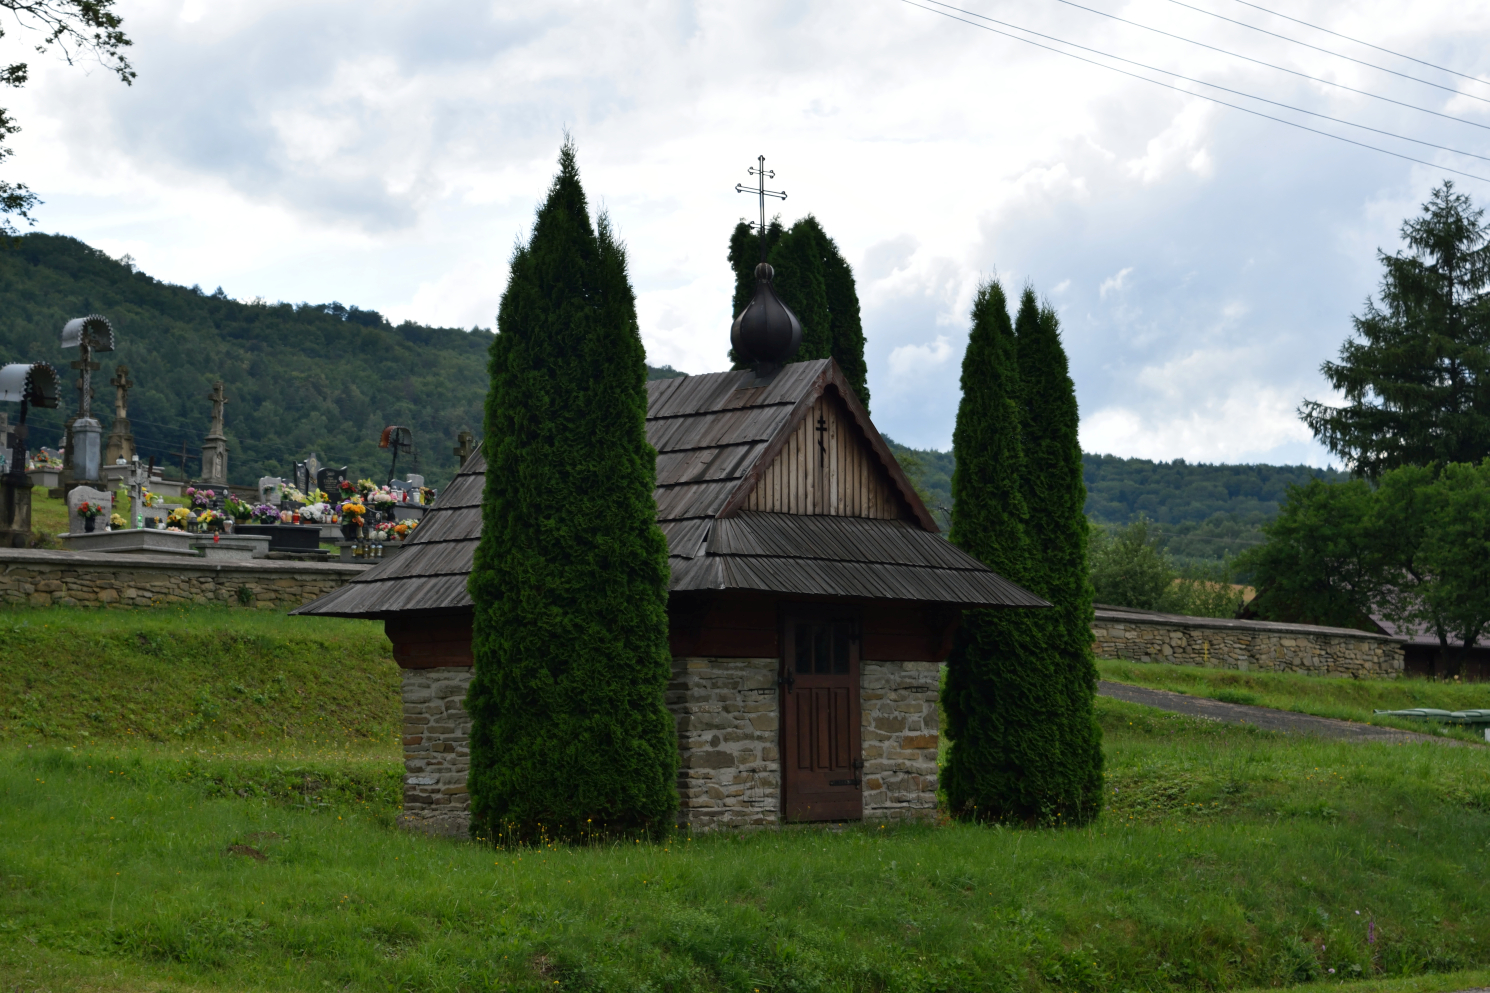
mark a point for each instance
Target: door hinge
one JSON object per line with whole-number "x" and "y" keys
{"x": 789, "y": 680}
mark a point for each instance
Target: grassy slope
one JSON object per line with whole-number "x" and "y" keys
{"x": 1229, "y": 858}
{"x": 202, "y": 678}
{"x": 1346, "y": 699}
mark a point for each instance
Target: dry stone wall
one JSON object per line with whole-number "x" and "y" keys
{"x": 43, "y": 578}
{"x": 899, "y": 701}
{"x": 437, "y": 750}
{"x": 727, "y": 719}
{"x": 1248, "y": 646}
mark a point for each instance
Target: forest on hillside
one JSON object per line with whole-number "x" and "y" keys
{"x": 300, "y": 378}
{"x": 1202, "y": 512}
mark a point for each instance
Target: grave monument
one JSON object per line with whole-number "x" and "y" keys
{"x": 121, "y": 443}
{"x": 215, "y": 447}
{"x": 30, "y": 385}
{"x": 90, "y": 335}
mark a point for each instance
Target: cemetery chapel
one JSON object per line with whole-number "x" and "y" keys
{"x": 812, "y": 601}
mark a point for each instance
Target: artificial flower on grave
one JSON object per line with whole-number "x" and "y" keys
{"x": 178, "y": 517}
{"x": 266, "y": 513}
{"x": 90, "y": 509}
{"x": 117, "y": 521}
{"x": 320, "y": 512}
{"x": 293, "y": 495}
{"x": 210, "y": 520}
{"x": 365, "y": 486}
{"x": 200, "y": 498}
{"x": 346, "y": 486}
{"x": 237, "y": 509}
{"x": 352, "y": 511}
{"x": 401, "y": 530}
{"x": 382, "y": 498}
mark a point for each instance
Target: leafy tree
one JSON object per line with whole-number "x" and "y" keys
{"x": 817, "y": 283}
{"x": 569, "y": 732}
{"x": 1417, "y": 381}
{"x": 1005, "y": 761}
{"x": 76, "y": 28}
{"x": 1432, "y": 532}
{"x": 1057, "y": 530}
{"x": 1321, "y": 563}
{"x": 1129, "y": 567}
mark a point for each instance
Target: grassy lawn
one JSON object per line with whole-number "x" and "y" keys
{"x": 1347, "y": 699}
{"x": 1228, "y": 858}
{"x": 208, "y": 677}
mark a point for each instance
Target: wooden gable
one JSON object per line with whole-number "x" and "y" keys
{"x": 826, "y": 465}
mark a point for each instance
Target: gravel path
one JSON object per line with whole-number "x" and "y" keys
{"x": 1264, "y": 717}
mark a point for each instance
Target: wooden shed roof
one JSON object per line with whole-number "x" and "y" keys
{"x": 715, "y": 435}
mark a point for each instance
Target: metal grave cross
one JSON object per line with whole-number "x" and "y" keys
{"x": 822, "y": 450}
{"x": 760, "y": 190}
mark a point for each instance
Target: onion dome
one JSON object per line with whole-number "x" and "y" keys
{"x": 766, "y": 333}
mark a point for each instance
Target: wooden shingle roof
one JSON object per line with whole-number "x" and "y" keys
{"x": 717, "y": 436}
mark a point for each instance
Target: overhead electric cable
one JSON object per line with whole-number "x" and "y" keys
{"x": 1248, "y": 58}
{"x": 1171, "y": 86}
{"x": 1316, "y": 27}
{"x": 1227, "y": 89}
{"x": 1338, "y": 55}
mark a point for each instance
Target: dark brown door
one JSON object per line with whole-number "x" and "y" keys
{"x": 821, "y": 754}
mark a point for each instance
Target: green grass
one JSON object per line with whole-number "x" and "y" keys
{"x": 1229, "y": 858}
{"x": 1346, "y": 699}
{"x": 48, "y": 516}
{"x": 199, "y": 677}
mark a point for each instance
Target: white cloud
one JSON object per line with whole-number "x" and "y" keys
{"x": 1115, "y": 284}
{"x": 389, "y": 154}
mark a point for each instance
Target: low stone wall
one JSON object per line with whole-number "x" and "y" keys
{"x": 1261, "y": 646}
{"x": 45, "y": 577}
{"x": 437, "y": 750}
{"x": 899, "y": 701}
{"x": 727, "y": 718}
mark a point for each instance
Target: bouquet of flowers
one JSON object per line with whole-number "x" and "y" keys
{"x": 200, "y": 498}
{"x": 352, "y": 511}
{"x": 293, "y": 495}
{"x": 382, "y": 498}
{"x": 116, "y": 521}
{"x": 266, "y": 513}
{"x": 176, "y": 519}
{"x": 90, "y": 510}
{"x": 237, "y": 509}
{"x": 210, "y": 520}
{"x": 320, "y": 512}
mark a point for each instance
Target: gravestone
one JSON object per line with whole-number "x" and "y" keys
{"x": 271, "y": 490}
{"x": 215, "y": 446}
{"x": 330, "y": 480}
{"x": 120, "y": 446}
{"x": 137, "y": 481}
{"x": 82, "y": 494}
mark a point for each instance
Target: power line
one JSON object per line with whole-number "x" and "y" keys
{"x": 1358, "y": 41}
{"x": 1338, "y": 55}
{"x": 1248, "y": 58}
{"x": 1170, "y": 86}
{"x": 1253, "y": 96}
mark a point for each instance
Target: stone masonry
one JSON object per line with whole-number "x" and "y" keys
{"x": 899, "y": 701}
{"x": 727, "y": 719}
{"x": 44, "y": 577}
{"x": 1258, "y": 646}
{"x": 437, "y": 753}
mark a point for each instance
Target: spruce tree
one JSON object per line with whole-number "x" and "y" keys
{"x": 1055, "y": 494}
{"x": 569, "y": 733}
{"x": 817, "y": 283}
{"x": 1004, "y": 691}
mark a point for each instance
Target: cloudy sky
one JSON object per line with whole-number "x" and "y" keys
{"x": 1204, "y": 261}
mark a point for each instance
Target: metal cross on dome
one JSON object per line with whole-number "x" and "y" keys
{"x": 760, "y": 190}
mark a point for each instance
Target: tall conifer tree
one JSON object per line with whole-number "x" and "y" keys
{"x": 569, "y": 732}
{"x": 1055, "y": 494}
{"x": 1006, "y": 761}
{"x": 817, "y": 283}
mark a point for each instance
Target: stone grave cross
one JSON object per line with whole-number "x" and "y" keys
{"x": 138, "y": 478}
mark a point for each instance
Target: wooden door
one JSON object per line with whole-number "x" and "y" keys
{"x": 822, "y": 758}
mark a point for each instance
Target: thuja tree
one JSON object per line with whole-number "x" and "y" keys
{"x": 1001, "y": 676}
{"x": 1055, "y": 496}
{"x": 569, "y": 734}
{"x": 813, "y": 279}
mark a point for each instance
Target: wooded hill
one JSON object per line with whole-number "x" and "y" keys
{"x": 300, "y": 378}
{"x": 1204, "y": 512}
